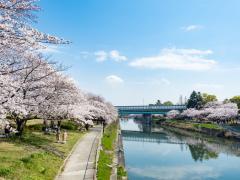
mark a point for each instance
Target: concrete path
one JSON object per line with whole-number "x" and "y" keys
{"x": 81, "y": 163}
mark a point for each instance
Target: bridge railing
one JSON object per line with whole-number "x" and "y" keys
{"x": 174, "y": 107}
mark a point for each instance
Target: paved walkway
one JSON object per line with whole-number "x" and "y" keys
{"x": 81, "y": 163}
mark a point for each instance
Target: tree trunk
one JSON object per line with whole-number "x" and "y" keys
{"x": 52, "y": 124}
{"x": 45, "y": 125}
{"x": 20, "y": 125}
{"x": 59, "y": 124}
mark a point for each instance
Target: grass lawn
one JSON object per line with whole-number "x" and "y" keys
{"x": 34, "y": 122}
{"x": 106, "y": 154}
{"x": 192, "y": 125}
{"x": 208, "y": 126}
{"x": 34, "y": 155}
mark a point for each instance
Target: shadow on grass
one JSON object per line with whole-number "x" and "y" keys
{"x": 38, "y": 140}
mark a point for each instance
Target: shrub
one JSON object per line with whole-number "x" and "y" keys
{"x": 26, "y": 159}
{"x": 69, "y": 125}
{"x": 35, "y": 127}
{"x": 121, "y": 171}
{"x": 4, "y": 171}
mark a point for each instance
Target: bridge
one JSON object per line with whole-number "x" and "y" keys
{"x": 148, "y": 110}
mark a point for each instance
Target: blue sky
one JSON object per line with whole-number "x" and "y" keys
{"x": 128, "y": 51}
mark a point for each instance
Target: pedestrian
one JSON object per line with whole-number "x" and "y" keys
{"x": 64, "y": 137}
{"x": 58, "y": 135}
{"x": 87, "y": 126}
{"x": 104, "y": 124}
{"x": 7, "y": 130}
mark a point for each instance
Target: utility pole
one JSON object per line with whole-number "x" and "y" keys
{"x": 185, "y": 101}
{"x": 180, "y": 100}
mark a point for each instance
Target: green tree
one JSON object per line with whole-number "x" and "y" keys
{"x": 236, "y": 99}
{"x": 195, "y": 100}
{"x": 226, "y": 101}
{"x": 208, "y": 98}
{"x": 199, "y": 101}
{"x": 168, "y": 103}
{"x": 158, "y": 102}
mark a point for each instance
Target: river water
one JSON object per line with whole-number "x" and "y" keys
{"x": 155, "y": 152}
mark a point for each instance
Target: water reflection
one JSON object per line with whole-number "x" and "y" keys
{"x": 155, "y": 152}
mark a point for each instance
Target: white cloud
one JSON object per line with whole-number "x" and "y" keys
{"x": 192, "y": 27}
{"x": 111, "y": 55}
{"x": 101, "y": 56}
{"x": 180, "y": 172}
{"x": 114, "y": 80}
{"x": 177, "y": 59}
{"x": 115, "y": 55}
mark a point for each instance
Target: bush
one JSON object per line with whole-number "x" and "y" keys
{"x": 35, "y": 127}
{"x": 4, "y": 172}
{"x": 121, "y": 172}
{"x": 69, "y": 125}
{"x": 26, "y": 159}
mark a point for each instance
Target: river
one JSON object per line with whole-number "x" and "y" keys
{"x": 156, "y": 152}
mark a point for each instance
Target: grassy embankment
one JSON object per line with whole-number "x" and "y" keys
{"x": 193, "y": 126}
{"x": 35, "y": 155}
{"x": 189, "y": 124}
{"x": 104, "y": 168}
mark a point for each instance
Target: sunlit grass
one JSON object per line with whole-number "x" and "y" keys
{"x": 34, "y": 155}
{"x": 208, "y": 126}
{"x": 109, "y": 137}
{"x": 106, "y": 154}
{"x": 193, "y": 125}
{"x": 104, "y": 163}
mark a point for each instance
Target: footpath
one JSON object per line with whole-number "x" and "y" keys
{"x": 81, "y": 163}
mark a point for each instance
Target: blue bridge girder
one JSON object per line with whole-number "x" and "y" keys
{"x": 126, "y": 110}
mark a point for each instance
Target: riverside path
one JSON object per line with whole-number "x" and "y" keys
{"x": 81, "y": 163}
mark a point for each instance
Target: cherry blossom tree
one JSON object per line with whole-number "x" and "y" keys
{"x": 20, "y": 63}
{"x": 219, "y": 111}
{"x": 213, "y": 111}
{"x": 100, "y": 109}
{"x": 31, "y": 85}
{"x": 172, "y": 114}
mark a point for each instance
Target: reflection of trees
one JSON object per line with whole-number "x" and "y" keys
{"x": 203, "y": 147}
{"x": 200, "y": 153}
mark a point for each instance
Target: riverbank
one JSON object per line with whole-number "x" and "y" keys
{"x": 205, "y": 128}
{"x": 121, "y": 171}
{"x": 34, "y": 155}
{"x": 154, "y": 151}
{"x": 108, "y": 164}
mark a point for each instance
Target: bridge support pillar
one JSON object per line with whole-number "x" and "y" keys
{"x": 147, "y": 118}
{"x": 147, "y": 124}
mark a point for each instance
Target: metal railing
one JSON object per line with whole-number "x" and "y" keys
{"x": 174, "y": 107}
